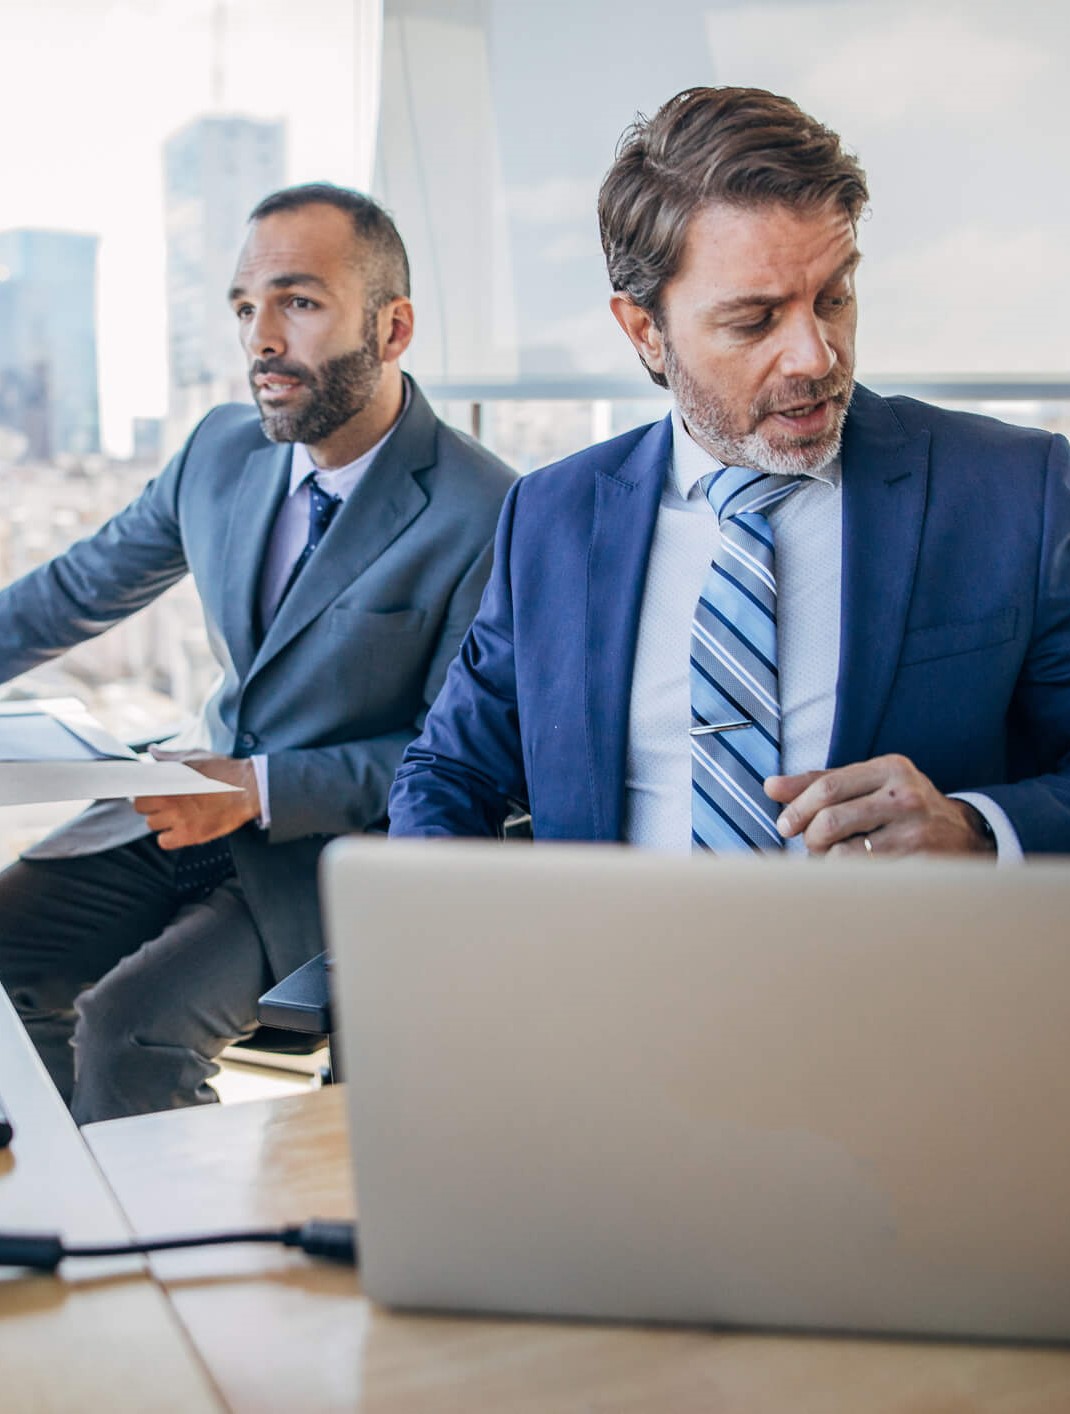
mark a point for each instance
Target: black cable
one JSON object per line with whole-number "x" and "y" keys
{"x": 319, "y": 1237}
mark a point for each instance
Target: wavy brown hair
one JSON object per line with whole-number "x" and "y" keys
{"x": 742, "y": 146}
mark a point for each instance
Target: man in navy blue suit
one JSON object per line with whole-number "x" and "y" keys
{"x": 903, "y": 625}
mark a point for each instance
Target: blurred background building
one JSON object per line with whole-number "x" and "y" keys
{"x": 48, "y": 342}
{"x": 216, "y": 169}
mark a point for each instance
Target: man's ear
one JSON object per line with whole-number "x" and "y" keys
{"x": 638, "y": 323}
{"x": 395, "y": 329}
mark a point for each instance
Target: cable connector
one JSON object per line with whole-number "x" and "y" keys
{"x": 319, "y": 1237}
{"x": 41, "y": 1250}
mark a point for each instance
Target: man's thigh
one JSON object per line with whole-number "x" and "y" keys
{"x": 66, "y": 922}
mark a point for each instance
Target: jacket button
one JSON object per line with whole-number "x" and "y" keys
{"x": 248, "y": 741}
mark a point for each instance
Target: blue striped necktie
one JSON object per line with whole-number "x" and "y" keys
{"x": 734, "y": 686}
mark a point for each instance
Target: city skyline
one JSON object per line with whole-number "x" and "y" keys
{"x": 133, "y": 73}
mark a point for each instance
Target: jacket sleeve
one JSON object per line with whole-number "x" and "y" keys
{"x": 98, "y": 581}
{"x": 1037, "y": 801}
{"x": 334, "y": 789}
{"x": 465, "y": 771}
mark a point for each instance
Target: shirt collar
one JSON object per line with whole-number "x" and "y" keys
{"x": 690, "y": 463}
{"x": 340, "y": 480}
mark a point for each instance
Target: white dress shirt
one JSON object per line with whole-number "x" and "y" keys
{"x": 807, "y": 527}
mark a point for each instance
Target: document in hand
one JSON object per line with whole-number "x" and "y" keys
{"x": 53, "y": 749}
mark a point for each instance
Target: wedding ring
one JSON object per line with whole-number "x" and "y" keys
{"x": 867, "y": 845}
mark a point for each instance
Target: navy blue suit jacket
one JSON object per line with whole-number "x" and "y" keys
{"x": 955, "y": 629}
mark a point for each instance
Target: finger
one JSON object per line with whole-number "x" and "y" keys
{"x": 895, "y": 841}
{"x": 146, "y": 804}
{"x": 854, "y": 847}
{"x": 848, "y": 820}
{"x": 784, "y": 789}
{"x": 185, "y": 757}
{"x": 171, "y": 839}
{"x": 831, "y": 788}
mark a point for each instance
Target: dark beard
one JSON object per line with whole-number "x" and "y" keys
{"x": 339, "y": 389}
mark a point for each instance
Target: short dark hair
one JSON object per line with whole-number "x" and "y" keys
{"x": 372, "y": 225}
{"x": 742, "y": 146}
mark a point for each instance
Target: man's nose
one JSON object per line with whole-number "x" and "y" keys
{"x": 262, "y": 335}
{"x": 808, "y": 350}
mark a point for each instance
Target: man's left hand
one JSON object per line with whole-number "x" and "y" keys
{"x": 180, "y": 820}
{"x": 886, "y": 800}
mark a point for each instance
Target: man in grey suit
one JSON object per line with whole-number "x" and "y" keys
{"x": 338, "y": 570}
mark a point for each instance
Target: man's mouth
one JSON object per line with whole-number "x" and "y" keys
{"x": 812, "y": 417}
{"x": 274, "y": 386}
{"x": 806, "y": 418}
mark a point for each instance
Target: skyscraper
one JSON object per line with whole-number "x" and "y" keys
{"x": 48, "y": 341}
{"x": 216, "y": 169}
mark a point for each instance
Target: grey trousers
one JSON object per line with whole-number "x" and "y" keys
{"x": 128, "y": 993}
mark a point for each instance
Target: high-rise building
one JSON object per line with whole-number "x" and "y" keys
{"x": 216, "y": 169}
{"x": 48, "y": 342}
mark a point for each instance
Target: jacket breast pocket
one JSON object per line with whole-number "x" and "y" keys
{"x": 921, "y": 645}
{"x": 365, "y": 626}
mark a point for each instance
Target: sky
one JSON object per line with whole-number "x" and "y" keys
{"x": 90, "y": 91}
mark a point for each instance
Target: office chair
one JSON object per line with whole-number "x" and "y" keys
{"x": 298, "y": 1010}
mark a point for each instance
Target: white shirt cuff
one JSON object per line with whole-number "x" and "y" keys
{"x": 260, "y": 770}
{"x": 1008, "y": 846}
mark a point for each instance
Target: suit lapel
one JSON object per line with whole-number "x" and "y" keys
{"x": 885, "y": 481}
{"x": 385, "y": 501}
{"x": 625, "y": 510}
{"x": 263, "y": 484}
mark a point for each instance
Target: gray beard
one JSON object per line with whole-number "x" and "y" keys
{"x": 709, "y": 423}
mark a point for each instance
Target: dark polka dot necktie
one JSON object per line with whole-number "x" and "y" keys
{"x": 322, "y": 509}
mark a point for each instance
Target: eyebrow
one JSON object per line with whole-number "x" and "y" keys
{"x": 756, "y": 301}
{"x": 285, "y": 281}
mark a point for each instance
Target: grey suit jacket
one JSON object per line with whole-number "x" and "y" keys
{"x": 345, "y": 672}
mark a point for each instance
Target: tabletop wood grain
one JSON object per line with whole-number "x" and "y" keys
{"x": 279, "y": 1331}
{"x": 100, "y": 1333}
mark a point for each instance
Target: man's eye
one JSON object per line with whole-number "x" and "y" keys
{"x": 302, "y": 302}
{"x": 834, "y": 304}
{"x": 243, "y": 311}
{"x": 756, "y": 326}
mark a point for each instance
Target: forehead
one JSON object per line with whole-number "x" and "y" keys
{"x": 767, "y": 250}
{"x": 314, "y": 240}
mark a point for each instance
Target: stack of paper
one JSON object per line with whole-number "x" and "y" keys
{"x": 52, "y": 749}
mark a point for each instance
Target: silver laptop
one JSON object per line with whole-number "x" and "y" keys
{"x": 591, "y": 1082}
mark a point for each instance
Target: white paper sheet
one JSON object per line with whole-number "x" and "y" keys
{"x": 29, "y": 782}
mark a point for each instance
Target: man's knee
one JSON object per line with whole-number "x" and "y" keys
{"x": 107, "y": 1017}
{"x": 132, "y": 1053}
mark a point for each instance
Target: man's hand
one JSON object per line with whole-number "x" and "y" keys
{"x": 180, "y": 820}
{"x": 886, "y": 800}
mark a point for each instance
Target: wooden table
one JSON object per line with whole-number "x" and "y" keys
{"x": 280, "y": 1332}
{"x": 102, "y": 1334}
